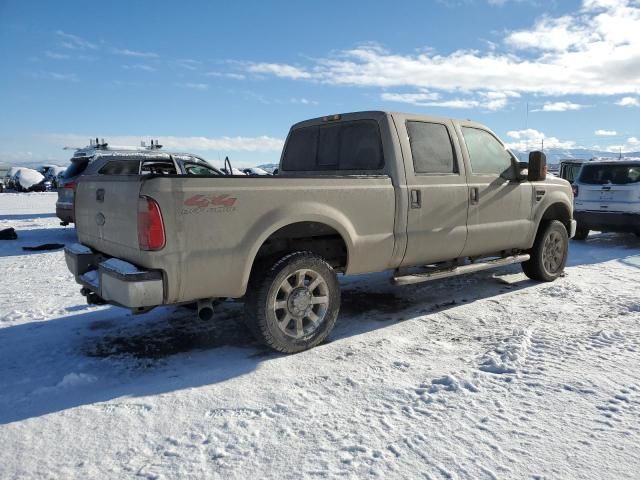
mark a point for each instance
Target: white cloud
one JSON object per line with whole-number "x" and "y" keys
{"x": 531, "y": 139}
{"x": 140, "y": 66}
{"x": 279, "y": 70}
{"x": 194, "y": 86}
{"x": 64, "y": 77}
{"x": 15, "y": 157}
{"x": 484, "y": 100}
{"x": 559, "y": 107}
{"x": 629, "y": 102}
{"x": 605, "y": 133}
{"x": 133, "y": 53}
{"x": 234, "y": 76}
{"x": 302, "y": 101}
{"x": 593, "y": 51}
{"x": 188, "y": 63}
{"x": 56, "y": 55}
{"x": 262, "y": 143}
{"x": 74, "y": 42}
{"x": 631, "y": 145}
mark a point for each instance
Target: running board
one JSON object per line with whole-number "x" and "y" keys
{"x": 452, "y": 272}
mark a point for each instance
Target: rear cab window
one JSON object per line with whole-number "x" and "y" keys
{"x": 344, "y": 146}
{"x": 604, "y": 174}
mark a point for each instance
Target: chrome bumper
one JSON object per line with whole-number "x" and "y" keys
{"x": 129, "y": 287}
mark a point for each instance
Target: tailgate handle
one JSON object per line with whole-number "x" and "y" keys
{"x": 100, "y": 195}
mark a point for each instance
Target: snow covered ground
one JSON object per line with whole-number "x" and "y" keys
{"x": 484, "y": 376}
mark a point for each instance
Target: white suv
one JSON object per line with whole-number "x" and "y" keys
{"x": 607, "y": 197}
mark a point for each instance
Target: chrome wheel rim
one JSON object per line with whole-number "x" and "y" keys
{"x": 553, "y": 252}
{"x": 300, "y": 303}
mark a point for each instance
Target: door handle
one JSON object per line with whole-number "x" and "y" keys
{"x": 539, "y": 194}
{"x": 100, "y": 195}
{"x": 474, "y": 195}
{"x": 416, "y": 199}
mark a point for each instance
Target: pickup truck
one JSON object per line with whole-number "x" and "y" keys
{"x": 422, "y": 197}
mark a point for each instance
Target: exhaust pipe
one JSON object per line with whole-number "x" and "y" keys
{"x": 205, "y": 309}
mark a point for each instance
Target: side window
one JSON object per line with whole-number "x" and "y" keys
{"x": 120, "y": 167}
{"x": 486, "y": 153}
{"x": 158, "y": 167}
{"x": 431, "y": 148}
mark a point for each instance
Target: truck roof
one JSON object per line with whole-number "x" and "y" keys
{"x": 371, "y": 114}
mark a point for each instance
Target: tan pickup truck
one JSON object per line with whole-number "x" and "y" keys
{"x": 421, "y": 197}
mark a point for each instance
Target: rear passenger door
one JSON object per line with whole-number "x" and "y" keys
{"x": 438, "y": 200}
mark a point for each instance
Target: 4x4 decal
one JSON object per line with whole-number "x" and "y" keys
{"x": 209, "y": 204}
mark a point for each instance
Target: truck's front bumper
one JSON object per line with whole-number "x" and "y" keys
{"x": 608, "y": 221}
{"x": 119, "y": 282}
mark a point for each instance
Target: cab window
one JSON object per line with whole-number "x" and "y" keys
{"x": 486, "y": 153}
{"x": 431, "y": 148}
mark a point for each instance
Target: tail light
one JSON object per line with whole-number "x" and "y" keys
{"x": 151, "y": 234}
{"x": 71, "y": 185}
{"x": 576, "y": 190}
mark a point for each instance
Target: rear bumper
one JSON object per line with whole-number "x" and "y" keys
{"x": 64, "y": 211}
{"x": 609, "y": 221}
{"x": 119, "y": 283}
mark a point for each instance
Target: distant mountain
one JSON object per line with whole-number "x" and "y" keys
{"x": 554, "y": 155}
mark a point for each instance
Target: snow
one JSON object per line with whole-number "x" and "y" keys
{"x": 28, "y": 178}
{"x": 78, "y": 249}
{"x": 484, "y": 376}
{"x": 120, "y": 266}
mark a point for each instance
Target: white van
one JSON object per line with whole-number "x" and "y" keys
{"x": 607, "y": 197}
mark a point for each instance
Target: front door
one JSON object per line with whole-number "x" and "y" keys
{"x": 438, "y": 201}
{"x": 499, "y": 209}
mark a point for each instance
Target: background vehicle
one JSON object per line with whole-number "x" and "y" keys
{"x": 424, "y": 197}
{"x": 28, "y": 180}
{"x": 100, "y": 159}
{"x": 234, "y": 171}
{"x": 607, "y": 197}
{"x": 255, "y": 171}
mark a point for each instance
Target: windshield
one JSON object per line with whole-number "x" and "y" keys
{"x": 607, "y": 173}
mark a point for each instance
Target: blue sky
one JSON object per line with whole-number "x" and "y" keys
{"x": 229, "y": 78}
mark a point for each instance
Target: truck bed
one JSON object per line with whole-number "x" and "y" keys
{"x": 218, "y": 224}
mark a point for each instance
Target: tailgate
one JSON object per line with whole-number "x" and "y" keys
{"x": 613, "y": 198}
{"x": 106, "y": 214}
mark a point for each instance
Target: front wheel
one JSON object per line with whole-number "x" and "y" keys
{"x": 549, "y": 253}
{"x": 292, "y": 305}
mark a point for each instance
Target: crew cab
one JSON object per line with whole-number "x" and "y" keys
{"x": 421, "y": 197}
{"x": 607, "y": 197}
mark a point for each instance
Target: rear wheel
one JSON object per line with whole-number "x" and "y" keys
{"x": 581, "y": 233}
{"x": 292, "y": 304}
{"x": 549, "y": 253}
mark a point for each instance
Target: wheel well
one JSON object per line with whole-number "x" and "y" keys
{"x": 558, "y": 211}
{"x": 315, "y": 237}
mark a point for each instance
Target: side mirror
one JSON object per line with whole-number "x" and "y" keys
{"x": 537, "y": 167}
{"x": 514, "y": 173}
